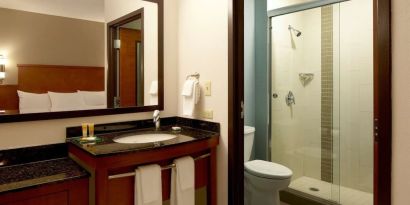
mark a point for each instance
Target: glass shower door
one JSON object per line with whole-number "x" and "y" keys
{"x": 305, "y": 99}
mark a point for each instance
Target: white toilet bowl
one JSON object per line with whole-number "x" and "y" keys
{"x": 263, "y": 180}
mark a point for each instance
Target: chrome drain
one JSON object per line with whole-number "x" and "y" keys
{"x": 314, "y": 189}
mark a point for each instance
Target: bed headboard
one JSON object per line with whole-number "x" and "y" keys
{"x": 59, "y": 78}
{"x": 56, "y": 78}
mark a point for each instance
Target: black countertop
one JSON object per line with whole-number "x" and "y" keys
{"x": 22, "y": 176}
{"x": 33, "y": 166}
{"x": 104, "y": 145}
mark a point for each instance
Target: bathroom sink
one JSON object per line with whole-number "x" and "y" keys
{"x": 144, "y": 138}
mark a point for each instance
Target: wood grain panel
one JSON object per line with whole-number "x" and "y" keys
{"x": 59, "y": 78}
{"x": 8, "y": 97}
{"x": 74, "y": 192}
{"x": 59, "y": 198}
{"x": 128, "y": 66}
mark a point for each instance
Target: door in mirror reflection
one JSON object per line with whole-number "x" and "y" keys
{"x": 130, "y": 67}
{"x": 133, "y": 46}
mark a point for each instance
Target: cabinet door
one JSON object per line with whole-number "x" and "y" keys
{"x": 121, "y": 191}
{"x": 60, "y": 198}
{"x": 73, "y": 192}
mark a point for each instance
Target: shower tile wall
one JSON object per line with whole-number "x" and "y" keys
{"x": 356, "y": 95}
{"x": 296, "y": 131}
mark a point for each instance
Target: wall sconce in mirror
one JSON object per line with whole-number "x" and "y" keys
{"x": 3, "y": 61}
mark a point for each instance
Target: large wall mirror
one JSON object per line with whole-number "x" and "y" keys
{"x": 80, "y": 58}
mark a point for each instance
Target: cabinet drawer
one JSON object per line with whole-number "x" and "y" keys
{"x": 60, "y": 198}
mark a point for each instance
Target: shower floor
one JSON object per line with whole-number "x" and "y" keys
{"x": 348, "y": 196}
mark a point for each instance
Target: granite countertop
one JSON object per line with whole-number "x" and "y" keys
{"x": 104, "y": 145}
{"x": 17, "y": 177}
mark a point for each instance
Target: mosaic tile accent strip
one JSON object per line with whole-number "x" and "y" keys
{"x": 327, "y": 94}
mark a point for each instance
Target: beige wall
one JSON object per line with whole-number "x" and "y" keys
{"x": 401, "y": 102}
{"x": 203, "y": 48}
{"x": 31, "y": 38}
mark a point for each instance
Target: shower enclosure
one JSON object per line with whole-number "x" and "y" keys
{"x": 321, "y": 104}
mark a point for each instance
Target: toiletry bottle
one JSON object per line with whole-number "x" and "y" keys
{"x": 85, "y": 130}
{"x": 90, "y": 129}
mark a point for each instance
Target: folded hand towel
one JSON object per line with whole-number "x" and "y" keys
{"x": 154, "y": 88}
{"x": 153, "y": 100}
{"x": 188, "y": 87}
{"x": 189, "y": 101}
{"x": 183, "y": 182}
{"x": 148, "y": 186}
{"x": 197, "y": 88}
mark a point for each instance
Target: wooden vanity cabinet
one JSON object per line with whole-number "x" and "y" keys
{"x": 72, "y": 192}
{"x": 120, "y": 191}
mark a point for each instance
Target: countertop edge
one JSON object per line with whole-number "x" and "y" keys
{"x": 81, "y": 173}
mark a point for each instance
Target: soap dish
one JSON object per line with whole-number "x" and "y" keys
{"x": 89, "y": 139}
{"x": 176, "y": 128}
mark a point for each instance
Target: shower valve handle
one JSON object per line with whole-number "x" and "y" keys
{"x": 290, "y": 99}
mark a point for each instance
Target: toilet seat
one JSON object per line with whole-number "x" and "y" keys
{"x": 267, "y": 169}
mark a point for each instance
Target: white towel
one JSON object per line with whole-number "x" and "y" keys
{"x": 197, "y": 92}
{"x": 188, "y": 88}
{"x": 153, "y": 100}
{"x": 183, "y": 182}
{"x": 154, "y": 88}
{"x": 190, "y": 97}
{"x": 148, "y": 186}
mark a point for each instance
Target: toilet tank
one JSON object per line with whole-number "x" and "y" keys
{"x": 249, "y": 133}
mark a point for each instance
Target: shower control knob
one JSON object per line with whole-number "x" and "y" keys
{"x": 275, "y": 95}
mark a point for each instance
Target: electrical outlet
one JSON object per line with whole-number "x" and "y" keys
{"x": 208, "y": 88}
{"x": 208, "y": 114}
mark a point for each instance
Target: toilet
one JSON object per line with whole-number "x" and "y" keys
{"x": 263, "y": 179}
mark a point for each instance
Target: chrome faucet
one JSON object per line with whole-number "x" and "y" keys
{"x": 156, "y": 119}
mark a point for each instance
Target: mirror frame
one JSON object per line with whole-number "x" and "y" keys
{"x": 109, "y": 111}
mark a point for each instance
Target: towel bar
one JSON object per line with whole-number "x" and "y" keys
{"x": 130, "y": 174}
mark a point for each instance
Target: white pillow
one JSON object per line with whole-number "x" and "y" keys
{"x": 94, "y": 99}
{"x": 33, "y": 102}
{"x": 66, "y": 101}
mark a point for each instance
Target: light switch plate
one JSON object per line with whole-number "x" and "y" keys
{"x": 208, "y": 88}
{"x": 208, "y": 114}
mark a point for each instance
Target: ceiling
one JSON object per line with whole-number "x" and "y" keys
{"x": 274, "y": 4}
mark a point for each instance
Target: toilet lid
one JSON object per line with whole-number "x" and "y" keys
{"x": 267, "y": 169}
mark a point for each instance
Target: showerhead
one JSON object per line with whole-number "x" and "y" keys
{"x": 297, "y": 32}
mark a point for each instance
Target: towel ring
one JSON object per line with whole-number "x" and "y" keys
{"x": 195, "y": 75}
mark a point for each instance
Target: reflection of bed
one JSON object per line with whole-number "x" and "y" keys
{"x": 55, "y": 78}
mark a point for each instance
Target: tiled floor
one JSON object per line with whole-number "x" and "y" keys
{"x": 348, "y": 196}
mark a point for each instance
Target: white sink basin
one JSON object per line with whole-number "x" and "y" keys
{"x": 144, "y": 138}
